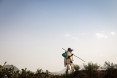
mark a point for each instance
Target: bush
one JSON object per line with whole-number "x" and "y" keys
{"x": 92, "y": 70}
{"x": 111, "y": 70}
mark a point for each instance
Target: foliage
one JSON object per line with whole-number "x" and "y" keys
{"x": 111, "y": 70}
{"x": 76, "y": 67}
{"x": 91, "y": 70}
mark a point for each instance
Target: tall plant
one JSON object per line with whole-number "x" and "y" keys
{"x": 92, "y": 70}
{"x": 111, "y": 70}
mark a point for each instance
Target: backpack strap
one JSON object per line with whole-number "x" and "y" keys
{"x": 70, "y": 56}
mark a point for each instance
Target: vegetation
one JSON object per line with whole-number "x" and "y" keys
{"x": 91, "y": 70}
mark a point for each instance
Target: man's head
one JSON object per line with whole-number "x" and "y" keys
{"x": 69, "y": 49}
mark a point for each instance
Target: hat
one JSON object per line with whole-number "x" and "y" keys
{"x": 69, "y": 49}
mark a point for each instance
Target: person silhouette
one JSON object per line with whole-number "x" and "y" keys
{"x": 68, "y": 61}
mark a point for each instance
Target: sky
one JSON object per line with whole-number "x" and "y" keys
{"x": 33, "y": 32}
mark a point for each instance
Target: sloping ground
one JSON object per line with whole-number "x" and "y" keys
{"x": 94, "y": 74}
{"x": 108, "y": 73}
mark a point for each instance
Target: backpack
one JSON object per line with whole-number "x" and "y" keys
{"x": 64, "y": 54}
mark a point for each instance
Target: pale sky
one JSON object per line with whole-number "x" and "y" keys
{"x": 33, "y": 32}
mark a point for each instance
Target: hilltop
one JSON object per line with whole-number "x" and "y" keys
{"x": 90, "y": 70}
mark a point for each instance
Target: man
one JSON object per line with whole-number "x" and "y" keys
{"x": 68, "y": 60}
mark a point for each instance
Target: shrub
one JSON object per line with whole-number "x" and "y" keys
{"x": 92, "y": 70}
{"x": 111, "y": 70}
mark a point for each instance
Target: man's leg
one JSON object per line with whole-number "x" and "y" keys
{"x": 68, "y": 68}
{"x": 72, "y": 67}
